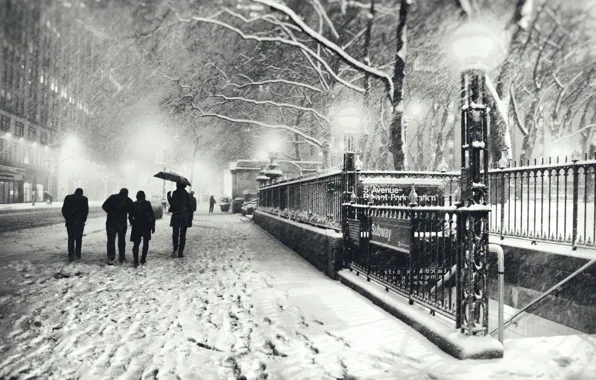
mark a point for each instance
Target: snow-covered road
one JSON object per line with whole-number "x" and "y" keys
{"x": 238, "y": 306}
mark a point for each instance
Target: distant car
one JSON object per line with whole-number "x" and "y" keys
{"x": 249, "y": 207}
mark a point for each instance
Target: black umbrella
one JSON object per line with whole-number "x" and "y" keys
{"x": 170, "y": 176}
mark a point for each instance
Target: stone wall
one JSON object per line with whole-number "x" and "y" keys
{"x": 529, "y": 273}
{"x": 322, "y": 248}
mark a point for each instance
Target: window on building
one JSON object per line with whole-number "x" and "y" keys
{"x": 44, "y": 138}
{"x": 5, "y": 123}
{"x": 32, "y": 133}
{"x": 19, "y": 129}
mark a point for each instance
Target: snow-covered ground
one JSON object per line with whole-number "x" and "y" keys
{"x": 238, "y": 306}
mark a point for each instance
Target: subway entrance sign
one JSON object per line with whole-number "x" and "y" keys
{"x": 397, "y": 191}
{"x": 391, "y": 233}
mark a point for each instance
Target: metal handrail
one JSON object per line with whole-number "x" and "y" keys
{"x": 548, "y": 292}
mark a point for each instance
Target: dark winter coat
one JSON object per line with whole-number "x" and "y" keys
{"x": 193, "y": 206}
{"x": 181, "y": 208}
{"x": 75, "y": 209}
{"x": 118, "y": 206}
{"x": 212, "y": 201}
{"x": 143, "y": 221}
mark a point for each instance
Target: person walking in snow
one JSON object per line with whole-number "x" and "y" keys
{"x": 75, "y": 210}
{"x": 180, "y": 206}
{"x": 211, "y": 204}
{"x": 193, "y": 206}
{"x": 143, "y": 225}
{"x": 118, "y": 207}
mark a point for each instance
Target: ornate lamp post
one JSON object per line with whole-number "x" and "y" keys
{"x": 349, "y": 120}
{"x": 272, "y": 170}
{"x": 472, "y": 44}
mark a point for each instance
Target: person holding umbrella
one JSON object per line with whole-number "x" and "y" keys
{"x": 181, "y": 209}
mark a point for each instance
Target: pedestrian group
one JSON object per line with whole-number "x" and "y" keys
{"x": 121, "y": 211}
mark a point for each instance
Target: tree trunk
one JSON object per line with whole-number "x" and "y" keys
{"x": 297, "y": 147}
{"x": 529, "y": 139}
{"x": 519, "y": 39}
{"x": 396, "y": 144}
{"x": 440, "y": 148}
{"x": 366, "y": 51}
{"x": 588, "y": 135}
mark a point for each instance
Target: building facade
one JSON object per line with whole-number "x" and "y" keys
{"x": 48, "y": 65}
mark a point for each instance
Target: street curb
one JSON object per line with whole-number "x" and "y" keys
{"x": 52, "y": 217}
{"x": 434, "y": 328}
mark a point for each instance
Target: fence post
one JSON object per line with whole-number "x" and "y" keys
{"x": 460, "y": 251}
{"x": 414, "y": 247}
{"x": 575, "y": 203}
{"x": 347, "y": 182}
{"x": 502, "y": 202}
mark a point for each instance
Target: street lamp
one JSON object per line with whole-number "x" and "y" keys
{"x": 472, "y": 44}
{"x": 71, "y": 142}
{"x": 272, "y": 170}
{"x": 263, "y": 156}
{"x": 349, "y": 121}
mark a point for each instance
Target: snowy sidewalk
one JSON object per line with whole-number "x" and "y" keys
{"x": 239, "y": 306}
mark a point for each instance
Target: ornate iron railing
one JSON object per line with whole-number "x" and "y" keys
{"x": 548, "y": 202}
{"x": 416, "y": 252}
{"x": 313, "y": 199}
{"x": 551, "y": 202}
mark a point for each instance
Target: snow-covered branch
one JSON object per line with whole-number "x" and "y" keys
{"x": 272, "y": 103}
{"x": 575, "y": 133}
{"x": 269, "y": 81}
{"x": 321, "y": 11}
{"x": 330, "y": 45}
{"x": 284, "y": 41}
{"x": 311, "y": 140}
{"x": 361, "y": 5}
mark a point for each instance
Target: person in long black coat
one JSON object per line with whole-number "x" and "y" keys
{"x": 211, "y": 203}
{"x": 75, "y": 210}
{"x": 193, "y": 207}
{"x": 180, "y": 207}
{"x": 118, "y": 207}
{"x": 143, "y": 225}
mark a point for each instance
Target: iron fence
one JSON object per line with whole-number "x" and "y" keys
{"x": 314, "y": 199}
{"x": 551, "y": 202}
{"x": 418, "y": 262}
{"x": 547, "y": 202}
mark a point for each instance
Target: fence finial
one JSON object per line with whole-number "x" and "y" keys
{"x": 413, "y": 197}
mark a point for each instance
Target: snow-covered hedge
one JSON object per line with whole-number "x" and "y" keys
{"x": 302, "y": 216}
